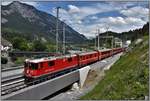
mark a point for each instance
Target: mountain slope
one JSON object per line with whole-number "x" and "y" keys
{"x": 25, "y": 19}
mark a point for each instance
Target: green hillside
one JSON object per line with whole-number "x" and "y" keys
{"x": 128, "y": 77}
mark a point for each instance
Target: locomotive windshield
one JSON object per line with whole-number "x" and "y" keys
{"x": 33, "y": 66}
{"x": 25, "y": 64}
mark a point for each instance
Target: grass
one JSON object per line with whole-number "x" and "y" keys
{"x": 20, "y": 60}
{"x": 127, "y": 78}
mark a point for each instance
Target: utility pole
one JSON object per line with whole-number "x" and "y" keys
{"x": 64, "y": 48}
{"x": 112, "y": 44}
{"x": 57, "y": 36}
{"x": 107, "y": 28}
{"x": 98, "y": 38}
{"x": 95, "y": 39}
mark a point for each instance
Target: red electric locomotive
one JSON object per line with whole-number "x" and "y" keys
{"x": 44, "y": 66}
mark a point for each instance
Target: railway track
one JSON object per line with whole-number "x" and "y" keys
{"x": 18, "y": 84}
{"x": 11, "y": 78}
{"x": 12, "y": 73}
{"x": 12, "y": 87}
{"x": 12, "y": 68}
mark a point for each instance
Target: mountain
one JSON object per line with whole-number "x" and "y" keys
{"x": 25, "y": 20}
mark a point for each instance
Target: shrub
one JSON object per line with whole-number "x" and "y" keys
{"x": 4, "y": 60}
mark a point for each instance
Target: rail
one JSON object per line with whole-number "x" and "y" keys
{"x": 12, "y": 68}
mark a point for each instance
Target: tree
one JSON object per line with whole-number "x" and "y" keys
{"x": 4, "y": 60}
{"x": 39, "y": 46}
{"x": 20, "y": 43}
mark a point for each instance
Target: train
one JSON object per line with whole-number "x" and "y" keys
{"x": 37, "y": 68}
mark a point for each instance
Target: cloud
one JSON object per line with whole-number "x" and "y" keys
{"x": 94, "y": 17}
{"x": 77, "y": 16}
{"x": 80, "y": 12}
{"x": 116, "y": 20}
{"x": 120, "y": 24}
{"x": 137, "y": 11}
{"x": 73, "y": 9}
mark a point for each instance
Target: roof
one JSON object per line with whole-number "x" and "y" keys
{"x": 104, "y": 50}
{"x": 85, "y": 53}
{"x": 49, "y": 58}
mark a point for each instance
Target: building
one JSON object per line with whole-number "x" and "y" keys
{"x": 5, "y": 47}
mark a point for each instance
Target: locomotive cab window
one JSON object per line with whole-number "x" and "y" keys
{"x": 69, "y": 59}
{"x": 33, "y": 66}
{"x": 25, "y": 64}
{"x": 51, "y": 63}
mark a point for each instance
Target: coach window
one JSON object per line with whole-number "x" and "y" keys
{"x": 69, "y": 59}
{"x": 81, "y": 57}
{"x": 91, "y": 56}
{"x": 51, "y": 63}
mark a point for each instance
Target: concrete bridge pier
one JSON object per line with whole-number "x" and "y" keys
{"x": 83, "y": 72}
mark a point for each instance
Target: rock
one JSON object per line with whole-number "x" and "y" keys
{"x": 75, "y": 86}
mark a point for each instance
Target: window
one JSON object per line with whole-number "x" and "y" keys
{"x": 25, "y": 64}
{"x": 51, "y": 63}
{"x": 69, "y": 59}
{"x": 41, "y": 64}
{"x": 33, "y": 66}
{"x": 80, "y": 58}
{"x": 86, "y": 57}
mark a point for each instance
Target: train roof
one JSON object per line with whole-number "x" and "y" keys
{"x": 65, "y": 56}
{"x": 85, "y": 53}
{"x": 49, "y": 58}
{"x": 104, "y": 50}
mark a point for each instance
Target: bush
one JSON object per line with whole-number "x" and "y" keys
{"x": 20, "y": 60}
{"x": 4, "y": 60}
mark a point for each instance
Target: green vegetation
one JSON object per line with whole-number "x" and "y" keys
{"x": 4, "y": 60}
{"x": 127, "y": 78}
{"x": 20, "y": 60}
{"x": 38, "y": 45}
{"x": 20, "y": 43}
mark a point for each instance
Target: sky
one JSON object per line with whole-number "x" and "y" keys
{"x": 87, "y": 16}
